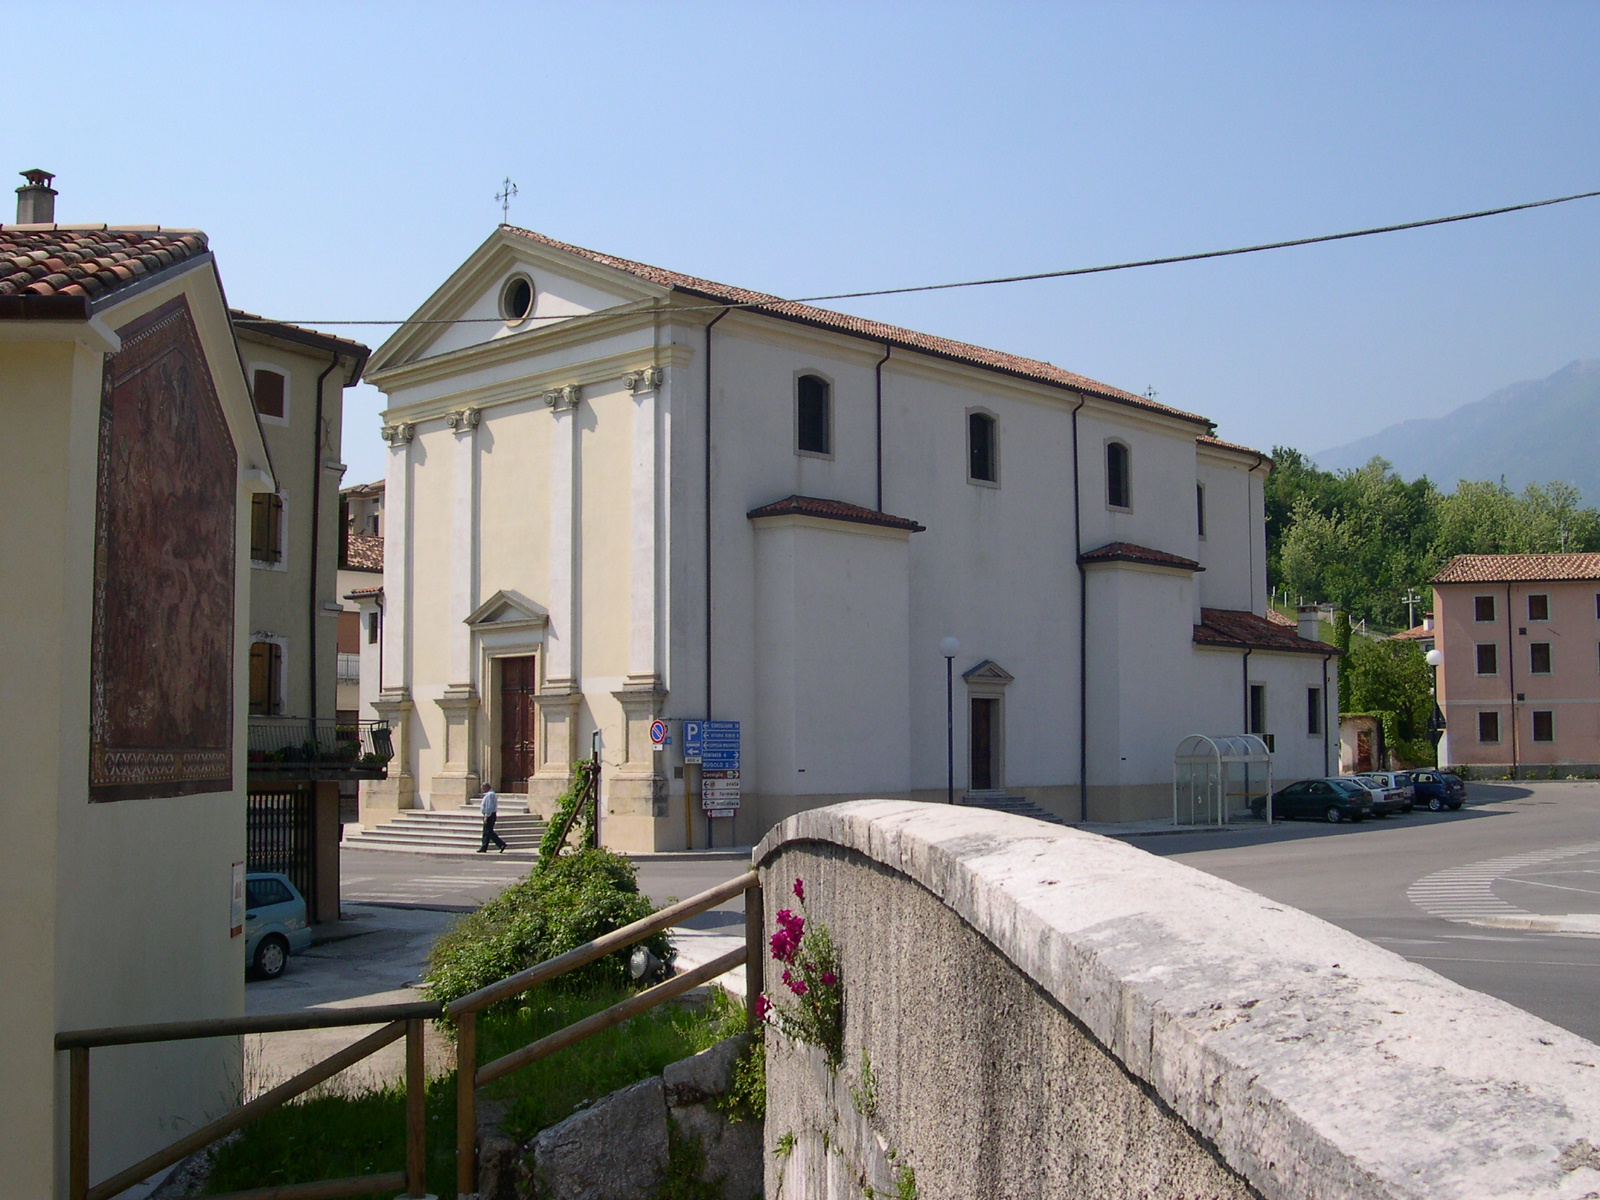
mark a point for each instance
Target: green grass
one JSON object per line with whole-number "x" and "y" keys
{"x": 332, "y": 1137}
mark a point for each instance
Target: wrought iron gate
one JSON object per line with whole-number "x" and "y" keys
{"x": 280, "y": 836}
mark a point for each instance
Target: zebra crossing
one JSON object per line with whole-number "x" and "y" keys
{"x": 469, "y": 886}
{"x": 1466, "y": 893}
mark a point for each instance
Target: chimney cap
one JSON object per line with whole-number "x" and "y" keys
{"x": 37, "y": 178}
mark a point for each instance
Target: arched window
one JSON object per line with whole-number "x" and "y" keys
{"x": 1118, "y": 478}
{"x": 813, "y": 415}
{"x": 983, "y": 458}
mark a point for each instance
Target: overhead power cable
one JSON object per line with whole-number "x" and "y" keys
{"x": 998, "y": 279}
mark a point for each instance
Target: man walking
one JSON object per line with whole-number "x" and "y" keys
{"x": 490, "y": 806}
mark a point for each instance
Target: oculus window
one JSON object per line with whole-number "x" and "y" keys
{"x": 813, "y": 415}
{"x": 1118, "y": 489}
{"x": 983, "y": 458}
{"x": 516, "y": 300}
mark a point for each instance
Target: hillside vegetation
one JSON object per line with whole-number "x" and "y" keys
{"x": 1359, "y": 538}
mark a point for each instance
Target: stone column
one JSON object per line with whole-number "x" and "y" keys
{"x": 381, "y": 799}
{"x": 558, "y": 697}
{"x": 457, "y": 780}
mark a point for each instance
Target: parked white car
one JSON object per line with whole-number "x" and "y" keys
{"x": 1391, "y": 794}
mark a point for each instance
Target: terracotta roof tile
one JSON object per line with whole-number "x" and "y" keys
{"x": 1518, "y": 568}
{"x": 832, "y": 510}
{"x": 363, "y": 552}
{"x": 1218, "y": 443}
{"x": 1129, "y": 552}
{"x": 367, "y": 591}
{"x": 1238, "y": 630}
{"x": 92, "y": 262}
{"x": 877, "y": 331}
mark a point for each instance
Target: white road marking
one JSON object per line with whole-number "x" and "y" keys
{"x": 1466, "y": 892}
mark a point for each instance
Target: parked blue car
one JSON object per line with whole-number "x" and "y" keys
{"x": 1439, "y": 790}
{"x": 275, "y": 923}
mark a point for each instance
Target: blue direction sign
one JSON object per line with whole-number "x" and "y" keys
{"x": 692, "y": 740}
{"x": 720, "y": 745}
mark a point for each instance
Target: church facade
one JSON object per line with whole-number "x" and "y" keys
{"x": 618, "y": 494}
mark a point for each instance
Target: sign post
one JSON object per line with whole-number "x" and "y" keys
{"x": 718, "y": 744}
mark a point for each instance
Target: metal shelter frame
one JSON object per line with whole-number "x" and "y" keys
{"x": 1215, "y": 779}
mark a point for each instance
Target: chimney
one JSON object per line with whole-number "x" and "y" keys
{"x": 1427, "y": 622}
{"x": 1310, "y": 622}
{"x": 36, "y": 201}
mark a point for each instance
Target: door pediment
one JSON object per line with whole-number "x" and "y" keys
{"x": 507, "y": 610}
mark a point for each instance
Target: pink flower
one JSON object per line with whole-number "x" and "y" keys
{"x": 829, "y": 979}
{"x": 763, "y": 1006}
{"x": 786, "y": 942}
{"x": 797, "y": 986}
{"x": 800, "y": 890}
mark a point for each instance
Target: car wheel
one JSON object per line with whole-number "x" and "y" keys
{"x": 1407, "y": 808}
{"x": 1334, "y": 815}
{"x": 1435, "y": 804}
{"x": 271, "y": 957}
{"x": 1456, "y": 806}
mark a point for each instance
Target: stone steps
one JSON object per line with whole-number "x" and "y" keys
{"x": 451, "y": 829}
{"x": 1017, "y": 805}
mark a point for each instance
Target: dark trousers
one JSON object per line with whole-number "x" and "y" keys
{"x": 488, "y": 833}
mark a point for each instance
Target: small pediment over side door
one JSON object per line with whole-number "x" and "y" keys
{"x": 507, "y": 609}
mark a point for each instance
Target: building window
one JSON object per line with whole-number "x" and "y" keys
{"x": 269, "y": 392}
{"x": 983, "y": 457}
{"x": 1313, "y": 711}
{"x": 1258, "y": 708}
{"x": 266, "y": 677}
{"x": 1538, "y": 608}
{"x": 1539, "y": 658}
{"x": 813, "y": 418}
{"x": 372, "y": 629}
{"x": 266, "y": 527}
{"x": 1483, "y": 608}
{"x": 1119, "y": 489}
{"x": 1488, "y": 727}
{"x": 516, "y": 300}
{"x": 1200, "y": 508}
{"x": 1488, "y": 659}
{"x": 1544, "y": 725}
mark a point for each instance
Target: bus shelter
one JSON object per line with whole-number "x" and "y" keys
{"x": 1218, "y": 780}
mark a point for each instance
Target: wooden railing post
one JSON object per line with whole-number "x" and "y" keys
{"x": 755, "y": 956}
{"x": 416, "y": 1113}
{"x": 466, "y": 1104}
{"x": 78, "y": 1123}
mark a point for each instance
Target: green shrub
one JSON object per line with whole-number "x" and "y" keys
{"x": 559, "y": 907}
{"x": 562, "y": 826}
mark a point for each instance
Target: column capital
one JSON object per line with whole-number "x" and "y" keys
{"x": 463, "y": 420}
{"x": 645, "y": 380}
{"x": 563, "y": 398}
{"x": 399, "y": 433}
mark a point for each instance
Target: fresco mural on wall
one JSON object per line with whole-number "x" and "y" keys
{"x": 161, "y": 672}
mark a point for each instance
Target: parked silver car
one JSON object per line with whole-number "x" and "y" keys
{"x": 275, "y": 923}
{"x": 1399, "y": 794}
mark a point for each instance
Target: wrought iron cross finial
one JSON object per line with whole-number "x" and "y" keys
{"x": 507, "y": 190}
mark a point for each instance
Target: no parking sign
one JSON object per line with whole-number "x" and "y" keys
{"x": 658, "y": 735}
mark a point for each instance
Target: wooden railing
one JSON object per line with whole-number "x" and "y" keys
{"x": 464, "y": 1011}
{"x": 398, "y": 1020}
{"x": 402, "y": 1020}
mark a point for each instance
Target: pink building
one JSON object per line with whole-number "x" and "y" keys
{"x": 1520, "y": 681}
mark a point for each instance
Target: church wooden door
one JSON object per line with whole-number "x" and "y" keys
{"x": 518, "y": 683}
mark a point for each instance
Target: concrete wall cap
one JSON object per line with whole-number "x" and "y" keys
{"x": 1317, "y": 1063}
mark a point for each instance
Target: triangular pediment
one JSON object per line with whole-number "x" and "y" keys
{"x": 507, "y": 609}
{"x": 988, "y": 671}
{"x": 466, "y": 310}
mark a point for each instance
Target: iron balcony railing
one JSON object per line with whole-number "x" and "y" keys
{"x": 298, "y": 748}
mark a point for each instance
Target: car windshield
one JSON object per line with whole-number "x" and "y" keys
{"x": 1349, "y": 786}
{"x": 1448, "y": 778}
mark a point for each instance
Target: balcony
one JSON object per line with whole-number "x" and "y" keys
{"x": 294, "y": 748}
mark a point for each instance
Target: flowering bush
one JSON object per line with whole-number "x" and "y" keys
{"x": 811, "y": 974}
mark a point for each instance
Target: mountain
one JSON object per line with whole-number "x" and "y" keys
{"x": 1537, "y": 431}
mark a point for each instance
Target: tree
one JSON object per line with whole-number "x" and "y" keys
{"x": 1391, "y": 679}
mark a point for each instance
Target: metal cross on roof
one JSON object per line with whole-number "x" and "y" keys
{"x": 507, "y": 190}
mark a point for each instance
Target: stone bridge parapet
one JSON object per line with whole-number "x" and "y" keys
{"x": 1033, "y": 1011}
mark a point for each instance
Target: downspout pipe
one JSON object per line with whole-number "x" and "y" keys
{"x": 1511, "y": 671}
{"x": 316, "y": 526}
{"x": 877, "y": 379}
{"x": 1326, "y": 746}
{"x": 1246, "y": 663}
{"x": 1083, "y": 623}
{"x": 709, "y": 326}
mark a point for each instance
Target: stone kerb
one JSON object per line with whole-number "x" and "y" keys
{"x": 1303, "y": 1060}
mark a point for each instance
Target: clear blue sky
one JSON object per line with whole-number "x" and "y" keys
{"x": 344, "y": 157}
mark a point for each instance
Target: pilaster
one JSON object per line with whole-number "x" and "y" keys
{"x": 397, "y": 562}
{"x": 457, "y": 781}
{"x": 645, "y": 563}
{"x": 636, "y": 795}
{"x": 463, "y": 544}
{"x": 381, "y": 799}
{"x": 561, "y": 638}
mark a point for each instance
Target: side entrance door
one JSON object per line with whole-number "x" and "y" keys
{"x": 518, "y": 683}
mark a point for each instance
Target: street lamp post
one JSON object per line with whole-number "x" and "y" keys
{"x": 950, "y": 648}
{"x": 1436, "y": 721}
